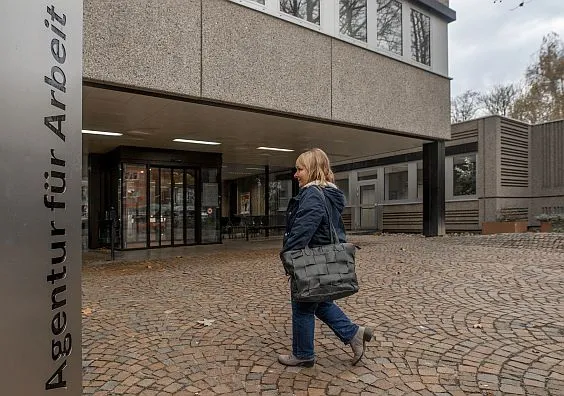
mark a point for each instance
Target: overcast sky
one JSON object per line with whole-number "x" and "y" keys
{"x": 490, "y": 44}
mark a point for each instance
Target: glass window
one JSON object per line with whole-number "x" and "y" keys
{"x": 368, "y": 194}
{"x": 396, "y": 183}
{"x": 368, "y": 175}
{"x": 420, "y": 179}
{"x": 352, "y": 17}
{"x": 279, "y": 195}
{"x": 190, "y": 198}
{"x": 420, "y": 38}
{"x": 178, "y": 207}
{"x": 166, "y": 207}
{"x": 259, "y": 1}
{"x": 257, "y": 196}
{"x": 303, "y": 9}
{"x": 210, "y": 206}
{"x": 389, "y": 25}
{"x": 343, "y": 185}
{"x": 154, "y": 207}
{"x": 280, "y": 192}
{"x": 134, "y": 214}
{"x": 85, "y": 213}
{"x": 464, "y": 175}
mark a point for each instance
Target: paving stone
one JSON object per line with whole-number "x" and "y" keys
{"x": 517, "y": 390}
{"x": 422, "y": 296}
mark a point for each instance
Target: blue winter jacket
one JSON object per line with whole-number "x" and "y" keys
{"x": 306, "y": 219}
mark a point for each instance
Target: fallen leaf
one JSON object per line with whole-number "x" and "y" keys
{"x": 206, "y": 322}
{"x": 87, "y": 311}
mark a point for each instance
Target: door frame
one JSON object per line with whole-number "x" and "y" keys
{"x": 376, "y": 205}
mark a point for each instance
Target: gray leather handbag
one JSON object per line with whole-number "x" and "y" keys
{"x": 322, "y": 273}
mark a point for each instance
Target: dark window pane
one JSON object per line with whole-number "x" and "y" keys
{"x": 280, "y": 192}
{"x": 190, "y": 197}
{"x": 389, "y": 25}
{"x": 135, "y": 206}
{"x": 464, "y": 175}
{"x": 166, "y": 207}
{"x": 396, "y": 183}
{"x": 368, "y": 175}
{"x": 303, "y": 9}
{"x": 420, "y": 38}
{"x": 352, "y": 16}
{"x": 210, "y": 206}
{"x": 343, "y": 185}
{"x": 178, "y": 207}
{"x": 154, "y": 207}
{"x": 420, "y": 180}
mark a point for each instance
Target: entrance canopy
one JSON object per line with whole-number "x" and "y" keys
{"x": 152, "y": 120}
{"x": 154, "y": 191}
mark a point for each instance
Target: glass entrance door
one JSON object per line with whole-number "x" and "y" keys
{"x": 190, "y": 201}
{"x": 167, "y": 218}
{"x": 134, "y": 206}
{"x": 184, "y": 213}
{"x": 178, "y": 207}
{"x": 368, "y": 206}
{"x": 158, "y": 206}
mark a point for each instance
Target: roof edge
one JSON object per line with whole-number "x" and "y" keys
{"x": 444, "y": 11}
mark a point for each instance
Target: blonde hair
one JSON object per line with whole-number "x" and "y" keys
{"x": 317, "y": 166}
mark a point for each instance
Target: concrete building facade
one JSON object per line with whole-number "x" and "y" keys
{"x": 357, "y": 78}
{"x": 495, "y": 167}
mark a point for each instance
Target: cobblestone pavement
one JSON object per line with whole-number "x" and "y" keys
{"x": 452, "y": 316}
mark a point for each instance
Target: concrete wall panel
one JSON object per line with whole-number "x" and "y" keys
{"x": 145, "y": 44}
{"x": 547, "y": 159}
{"x": 374, "y": 90}
{"x": 225, "y": 52}
{"x": 489, "y": 159}
{"x": 257, "y": 60}
{"x": 545, "y": 205}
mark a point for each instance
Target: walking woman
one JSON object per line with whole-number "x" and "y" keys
{"x": 307, "y": 225}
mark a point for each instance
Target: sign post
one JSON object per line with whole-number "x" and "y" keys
{"x": 40, "y": 198}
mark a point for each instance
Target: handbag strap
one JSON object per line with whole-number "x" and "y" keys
{"x": 334, "y": 235}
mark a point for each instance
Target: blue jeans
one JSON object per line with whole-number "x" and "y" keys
{"x": 303, "y": 325}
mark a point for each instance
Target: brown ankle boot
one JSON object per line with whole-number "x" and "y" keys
{"x": 358, "y": 343}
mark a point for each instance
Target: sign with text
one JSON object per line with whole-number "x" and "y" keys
{"x": 40, "y": 198}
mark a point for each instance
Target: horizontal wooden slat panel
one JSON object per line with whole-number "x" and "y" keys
{"x": 456, "y": 220}
{"x": 514, "y": 154}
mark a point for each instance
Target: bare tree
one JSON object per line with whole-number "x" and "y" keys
{"x": 389, "y": 33}
{"x": 500, "y": 99}
{"x": 421, "y": 37}
{"x": 352, "y": 15}
{"x": 465, "y": 106}
{"x": 304, "y": 9}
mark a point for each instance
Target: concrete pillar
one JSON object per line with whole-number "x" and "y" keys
{"x": 434, "y": 189}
